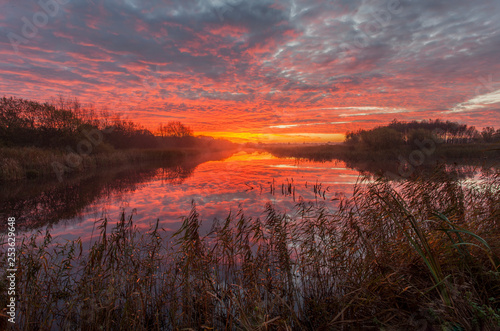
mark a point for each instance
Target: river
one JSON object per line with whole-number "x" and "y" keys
{"x": 217, "y": 185}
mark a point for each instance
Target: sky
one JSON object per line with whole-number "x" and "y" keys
{"x": 259, "y": 70}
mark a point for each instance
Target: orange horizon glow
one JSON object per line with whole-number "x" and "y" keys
{"x": 298, "y": 138}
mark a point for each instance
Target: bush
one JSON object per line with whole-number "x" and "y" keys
{"x": 381, "y": 138}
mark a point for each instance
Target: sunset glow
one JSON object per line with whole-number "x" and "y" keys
{"x": 216, "y": 187}
{"x": 269, "y": 71}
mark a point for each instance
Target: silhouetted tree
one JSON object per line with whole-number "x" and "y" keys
{"x": 177, "y": 129}
{"x": 488, "y": 134}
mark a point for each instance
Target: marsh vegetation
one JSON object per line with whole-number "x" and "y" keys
{"x": 433, "y": 140}
{"x": 63, "y": 137}
{"x": 417, "y": 254}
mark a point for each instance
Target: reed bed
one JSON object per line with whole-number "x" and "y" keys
{"x": 421, "y": 255}
{"x": 31, "y": 162}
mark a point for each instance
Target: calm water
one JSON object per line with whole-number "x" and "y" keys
{"x": 216, "y": 184}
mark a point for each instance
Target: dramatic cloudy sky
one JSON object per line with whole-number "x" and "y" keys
{"x": 262, "y": 69}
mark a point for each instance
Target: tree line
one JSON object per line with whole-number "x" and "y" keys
{"x": 400, "y": 133}
{"x": 63, "y": 122}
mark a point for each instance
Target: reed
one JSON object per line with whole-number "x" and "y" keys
{"x": 30, "y": 162}
{"x": 419, "y": 254}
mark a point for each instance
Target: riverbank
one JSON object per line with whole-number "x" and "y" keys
{"x": 445, "y": 153}
{"x": 422, "y": 254}
{"x": 30, "y": 162}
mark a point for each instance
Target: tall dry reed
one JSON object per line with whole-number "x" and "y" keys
{"x": 419, "y": 254}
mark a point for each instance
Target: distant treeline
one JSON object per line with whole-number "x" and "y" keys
{"x": 421, "y": 142}
{"x": 399, "y": 134}
{"x": 65, "y": 122}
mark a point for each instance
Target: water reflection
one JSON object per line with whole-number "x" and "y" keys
{"x": 217, "y": 183}
{"x": 48, "y": 202}
{"x": 394, "y": 171}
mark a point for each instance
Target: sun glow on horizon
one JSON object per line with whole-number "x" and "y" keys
{"x": 245, "y": 137}
{"x": 261, "y": 73}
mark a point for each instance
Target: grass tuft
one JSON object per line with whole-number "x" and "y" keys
{"x": 420, "y": 254}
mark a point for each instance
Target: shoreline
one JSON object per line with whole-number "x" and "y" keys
{"x": 355, "y": 154}
{"x": 29, "y": 163}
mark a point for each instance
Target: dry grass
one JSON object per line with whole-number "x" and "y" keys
{"x": 420, "y": 255}
{"x": 31, "y": 162}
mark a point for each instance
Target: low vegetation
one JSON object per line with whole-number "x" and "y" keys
{"x": 432, "y": 140}
{"x": 40, "y": 139}
{"x": 30, "y": 162}
{"x": 421, "y": 254}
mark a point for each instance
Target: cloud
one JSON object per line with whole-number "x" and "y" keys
{"x": 252, "y": 66}
{"x": 479, "y": 102}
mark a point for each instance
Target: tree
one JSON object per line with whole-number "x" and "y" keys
{"x": 381, "y": 138}
{"x": 488, "y": 133}
{"x": 176, "y": 129}
{"x": 417, "y": 136}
